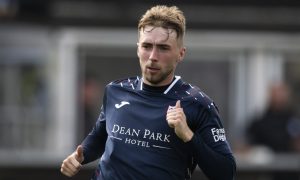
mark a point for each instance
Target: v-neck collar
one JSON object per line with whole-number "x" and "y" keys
{"x": 174, "y": 83}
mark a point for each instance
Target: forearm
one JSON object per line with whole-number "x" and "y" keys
{"x": 94, "y": 143}
{"x": 215, "y": 165}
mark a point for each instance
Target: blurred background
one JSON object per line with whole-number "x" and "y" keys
{"x": 56, "y": 56}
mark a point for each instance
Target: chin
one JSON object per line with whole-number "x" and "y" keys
{"x": 154, "y": 81}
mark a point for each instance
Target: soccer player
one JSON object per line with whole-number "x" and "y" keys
{"x": 156, "y": 126}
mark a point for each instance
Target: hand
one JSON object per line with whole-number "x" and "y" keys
{"x": 176, "y": 119}
{"x": 72, "y": 164}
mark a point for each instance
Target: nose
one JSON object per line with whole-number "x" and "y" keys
{"x": 154, "y": 54}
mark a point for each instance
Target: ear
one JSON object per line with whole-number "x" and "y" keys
{"x": 137, "y": 50}
{"x": 181, "y": 54}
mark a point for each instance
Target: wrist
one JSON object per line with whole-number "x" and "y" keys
{"x": 188, "y": 136}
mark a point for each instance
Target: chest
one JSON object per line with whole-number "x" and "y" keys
{"x": 140, "y": 119}
{"x": 133, "y": 114}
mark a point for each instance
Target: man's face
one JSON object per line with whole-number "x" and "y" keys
{"x": 159, "y": 53}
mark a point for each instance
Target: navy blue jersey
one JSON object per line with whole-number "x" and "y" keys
{"x": 135, "y": 142}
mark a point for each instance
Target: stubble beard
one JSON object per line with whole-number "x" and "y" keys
{"x": 156, "y": 79}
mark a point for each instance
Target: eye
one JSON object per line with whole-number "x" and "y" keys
{"x": 146, "y": 46}
{"x": 164, "y": 47}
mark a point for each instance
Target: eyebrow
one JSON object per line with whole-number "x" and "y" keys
{"x": 157, "y": 44}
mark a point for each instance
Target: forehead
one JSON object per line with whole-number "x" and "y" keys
{"x": 153, "y": 34}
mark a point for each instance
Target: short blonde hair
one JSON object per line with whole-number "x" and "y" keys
{"x": 166, "y": 17}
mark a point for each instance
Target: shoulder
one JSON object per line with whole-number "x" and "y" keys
{"x": 189, "y": 92}
{"x": 130, "y": 82}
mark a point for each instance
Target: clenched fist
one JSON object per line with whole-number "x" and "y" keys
{"x": 176, "y": 119}
{"x": 72, "y": 164}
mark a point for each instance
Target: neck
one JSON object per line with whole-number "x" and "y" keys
{"x": 168, "y": 80}
{"x": 164, "y": 88}
{"x": 156, "y": 89}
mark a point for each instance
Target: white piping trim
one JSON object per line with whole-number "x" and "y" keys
{"x": 169, "y": 88}
{"x": 132, "y": 85}
{"x": 171, "y": 85}
{"x": 141, "y": 83}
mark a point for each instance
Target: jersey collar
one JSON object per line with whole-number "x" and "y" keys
{"x": 176, "y": 81}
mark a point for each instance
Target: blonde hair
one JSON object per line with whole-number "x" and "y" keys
{"x": 166, "y": 17}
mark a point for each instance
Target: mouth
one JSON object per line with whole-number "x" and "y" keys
{"x": 152, "y": 69}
